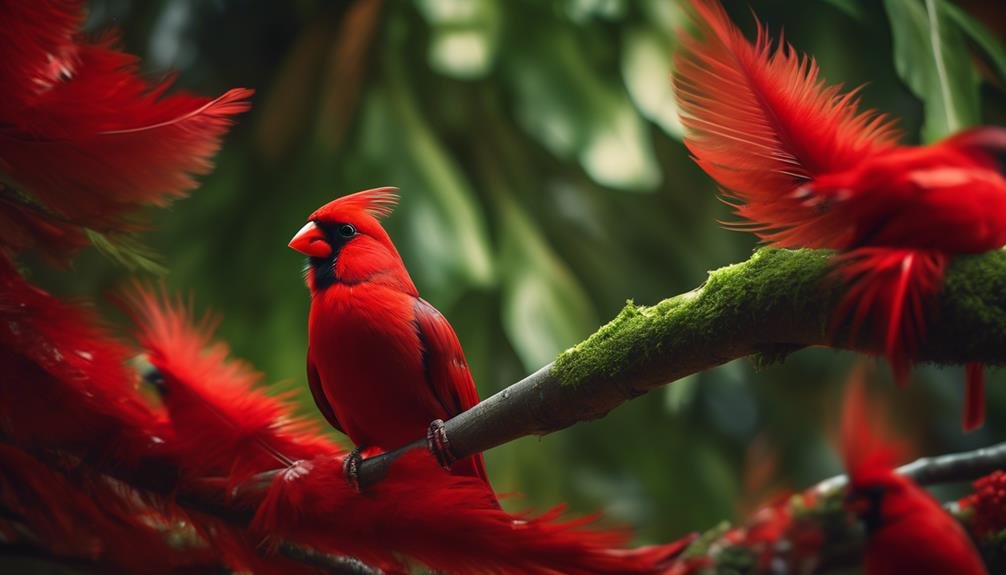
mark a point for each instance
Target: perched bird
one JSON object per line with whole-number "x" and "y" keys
{"x": 907, "y": 531}
{"x": 382, "y": 363}
{"x": 804, "y": 168}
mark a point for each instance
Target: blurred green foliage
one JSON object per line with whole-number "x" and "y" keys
{"x": 543, "y": 181}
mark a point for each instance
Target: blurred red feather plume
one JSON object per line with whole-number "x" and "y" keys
{"x": 450, "y": 523}
{"x": 224, "y": 423}
{"x": 84, "y": 140}
{"x": 67, "y": 378}
{"x": 761, "y": 122}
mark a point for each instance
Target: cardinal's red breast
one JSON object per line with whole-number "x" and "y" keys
{"x": 366, "y": 348}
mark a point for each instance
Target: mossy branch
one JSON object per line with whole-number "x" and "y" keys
{"x": 776, "y": 302}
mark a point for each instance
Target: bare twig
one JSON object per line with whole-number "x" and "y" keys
{"x": 333, "y": 564}
{"x": 940, "y": 469}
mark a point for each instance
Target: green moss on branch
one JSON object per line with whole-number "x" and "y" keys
{"x": 775, "y": 302}
{"x": 779, "y": 300}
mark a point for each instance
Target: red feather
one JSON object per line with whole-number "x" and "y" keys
{"x": 974, "y": 396}
{"x": 447, "y": 522}
{"x": 88, "y": 518}
{"x": 894, "y": 284}
{"x": 74, "y": 512}
{"x": 761, "y": 123}
{"x": 36, "y": 48}
{"x": 85, "y": 136}
{"x": 224, "y": 425}
{"x": 67, "y": 385}
{"x": 805, "y": 169}
{"x": 868, "y": 449}
{"x": 376, "y": 203}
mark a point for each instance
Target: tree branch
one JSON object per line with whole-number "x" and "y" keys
{"x": 775, "y": 303}
{"x": 820, "y": 510}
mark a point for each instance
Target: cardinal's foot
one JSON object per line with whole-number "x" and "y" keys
{"x": 351, "y": 468}
{"x": 438, "y": 444}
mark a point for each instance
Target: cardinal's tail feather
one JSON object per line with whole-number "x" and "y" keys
{"x": 474, "y": 466}
{"x": 974, "y": 396}
{"x": 447, "y": 522}
{"x": 891, "y": 286}
{"x": 867, "y": 446}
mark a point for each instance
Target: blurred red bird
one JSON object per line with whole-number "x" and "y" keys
{"x": 382, "y": 363}
{"x": 806, "y": 169}
{"x": 907, "y": 531}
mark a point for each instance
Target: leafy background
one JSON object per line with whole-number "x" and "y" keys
{"x": 538, "y": 150}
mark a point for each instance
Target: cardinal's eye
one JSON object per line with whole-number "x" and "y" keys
{"x": 347, "y": 230}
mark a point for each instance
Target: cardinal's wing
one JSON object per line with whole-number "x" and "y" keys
{"x": 446, "y": 369}
{"x": 318, "y": 393}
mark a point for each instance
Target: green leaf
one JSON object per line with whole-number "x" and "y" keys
{"x": 647, "y": 67}
{"x": 545, "y": 310}
{"x": 583, "y": 11}
{"x": 931, "y": 56}
{"x": 564, "y": 103}
{"x": 448, "y": 207}
{"x": 981, "y": 35}
{"x": 127, "y": 251}
{"x": 851, "y": 7}
{"x": 464, "y": 36}
{"x": 439, "y": 227}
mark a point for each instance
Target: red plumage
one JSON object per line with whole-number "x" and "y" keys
{"x": 382, "y": 362}
{"x": 224, "y": 425}
{"x": 907, "y": 530}
{"x": 74, "y": 514}
{"x": 448, "y": 522}
{"x": 803, "y": 168}
{"x": 66, "y": 383}
{"x": 224, "y": 428}
{"x": 79, "y": 435}
{"x": 36, "y": 47}
{"x": 83, "y": 139}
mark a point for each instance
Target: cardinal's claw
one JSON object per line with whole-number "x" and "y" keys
{"x": 438, "y": 444}
{"x": 351, "y": 468}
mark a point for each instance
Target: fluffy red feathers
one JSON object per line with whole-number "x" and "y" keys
{"x": 83, "y": 139}
{"x": 68, "y": 380}
{"x": 224, "y": 424}
{"x": 449, "y": 523}
{"x": 803, "y": 168}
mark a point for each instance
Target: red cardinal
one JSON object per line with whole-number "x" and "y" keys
{"x": 805, "y": 169}
{"x": 382, "y": 362}
{"x": 907, "y": 530}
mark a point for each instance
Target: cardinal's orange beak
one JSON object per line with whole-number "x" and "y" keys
{"x": 311, "y": 241}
